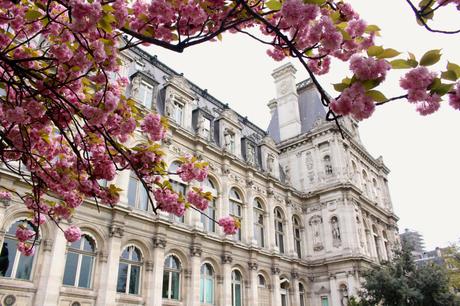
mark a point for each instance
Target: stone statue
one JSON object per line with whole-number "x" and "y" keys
{"x": 335, "y": 229}
{"x": 287, "y": 174}
{"x": 200, "y": 126}
{"x": 228, "y": 140}
{"x": 251, "y": 154}
{"x": 270, "y": 163}
{"x": 169, "y": 106}
{"x": 315, "y": 223}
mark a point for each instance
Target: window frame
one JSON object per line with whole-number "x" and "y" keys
{"x": 234, "y": 283}
{"x": 139, "y": 189}
{"x": 203, "y": 277}
{"x": 142, "y": 100}
{"x": 80, "y": 253}
{"x": 297, "y": 227}
{"x": 259, "y": 228}
{"x": 170, "y": 271}
{"x": 130, "y": 262}
{"x": 279, "y": 235}
{"x": 236, "y": 203}
{"x": 209, "y": 226}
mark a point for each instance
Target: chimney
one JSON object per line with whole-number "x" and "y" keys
{"x": 287, "y": 98}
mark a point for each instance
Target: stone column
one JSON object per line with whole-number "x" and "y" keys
{"x": 276, "y": 294}
{"x": 295, "y": 289}
{"x": 226, "y": 298}
{"x": 109, "y": 269}
{"x": 253, "y": 298}
{"x": 270, "y": 226}
{"x": 289, "y": 232}
{"x": 250, "y": 216}
{"x": 335, "y": 297}
{"x": 155, "y": 295}
{"x": 194, "y": 288}
{"x": 148, "y": 286}
{"x": 50, "y": 280}
{"x": 245, "y": 222}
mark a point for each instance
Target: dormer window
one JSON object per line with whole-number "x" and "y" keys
{"x": 143, "y": 88}
{"x": 178, "y": 112}
{"x": 145, "y": 94}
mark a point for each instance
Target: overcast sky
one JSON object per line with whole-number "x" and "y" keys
{"x": 423, "y": 153}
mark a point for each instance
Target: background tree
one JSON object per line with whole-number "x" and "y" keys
{"x": 402, "y": 283}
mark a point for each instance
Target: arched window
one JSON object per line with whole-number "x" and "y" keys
{"x": 377, "y": 242}
{"x": 178, "y": 186}
{"x": 279, "y": 230}
{"x": 327, "y": 165}
{"x": 209, "y": 225}
{"x": 375, "y": 188}
{"x": 302, "y": 294}
{"x": 171, "y": 278}
{"x": 365, "y": 186}
{"x": 284, "y": 290}
{"x": 237, "y": 294}
{"x": 207, "y": 285}
{"x": 297, "y": 236}
{"x": 79, "y": 263}
{"x": 263, "y": 292}
{"x": 137, "y": 194}
{"x": 12, "y": 263}
{"x": 236, "y": 210}
{"x": 129, "y": 271}
{"x": 259, "y": 229}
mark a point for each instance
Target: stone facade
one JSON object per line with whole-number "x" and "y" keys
{"x": 314, "y": 206}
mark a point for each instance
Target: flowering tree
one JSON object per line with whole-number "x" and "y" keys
{"x": 65, "y": 123}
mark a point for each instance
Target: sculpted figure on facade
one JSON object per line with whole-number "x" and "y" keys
{"x": 336, "y": 238}
{"x": 228, "y": 140}
{"x": 315, "y": 223}
{"x": 169, "y": 106}
{"x": 200, "y": 128}
{"x": 287, "y": 174}
{"x": 270, "y": 163}
{"x": 251, "y": 152}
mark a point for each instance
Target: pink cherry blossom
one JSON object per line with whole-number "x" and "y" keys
{"x": 196, "y": 199}
{"x": 72, "y": 233}
{"x": 229, "y": 225}
{"x": 169, "y": 201}
{"x": 369, "y": 68}
{"x": 5, "y": 196}
{"x": 23, "y": 233}
{"x": 354, "y": 101}
{"x": 153, "y": 127}
{"x": 191, "y": 170}
{"x": 416, "y": 83}
{"x": 454, "y": 97}
{"x": 26, "y": 248}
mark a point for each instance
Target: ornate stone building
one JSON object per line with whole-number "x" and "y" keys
{"x": 314, "y": 207}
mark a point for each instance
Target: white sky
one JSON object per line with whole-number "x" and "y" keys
{"x": 423, "y": 153}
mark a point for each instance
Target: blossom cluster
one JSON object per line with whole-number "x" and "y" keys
{"x": 5, "y": 196}
{"x": 229, "y": 224}
{"x": 417, "y": 82}
{"x": 369, "y": 68}
{"x": 354, "y": 101}
{"x": 454, "y": 97}
{"x": 192, "y": 169}
{"x": 197, "y": 198}
{"x": 72, "y": 233}
{"x": 169, "y": 201}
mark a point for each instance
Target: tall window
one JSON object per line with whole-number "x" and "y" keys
{"x": 327, "y": 165}
{"x": 279, "y": 230}
{"x": 171, "y": 278}
{"x": 137, "y": 194}
{"x": 12, "y": 263}
{"x": 236, "y": 210}
{"x": 302, "y": 294}
{"x": 79, "y": 263}
{"x": 237, "y": 294}
{"x": 178, "y": 112}
{"x": 209, "y": 225}
{"x": 207, "y": 284}
{"x": 365, "y": 186}
{"x": 145, "y": 94}
{"x": 297, "y": 236}
{"x": 263, "y": 292}
{"x": 178, "y": 186}
{"x": 324, "y": 301}
{"x": 259, "y": 223}
{"x": 284, "y": 290}
{"x": 129, "y": 271}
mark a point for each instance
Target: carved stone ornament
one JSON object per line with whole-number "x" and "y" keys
{"x": 276, "y": 270}
{"x": 253, "y": 265}
{"x": 295, "y": 274}
{"x": 159, "y": 242}
{"x": 149, "y": 266}
{"x": 116, "y": 231}
{"x": 227, "y": 259}
{"x": 102, "y": 256}
{"x": 195, "y": 250}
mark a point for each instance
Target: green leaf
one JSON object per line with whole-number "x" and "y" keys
{"x": 315, "y": 1}
{"x": 369, "y": 84}
{"x": 454, "y": 67}
{"x": 388, "y": 53}
{"x": 449, "y": 75}
{"x": 32, "y": 15}
{"x": 431, "y": 57}
{"x": 372, "y": 28}
{"x": 273, "y": 5}
{"x": 340, "y": 87}
{"x": 376, "y": 95}
{"x": 400, "y": 64}
{"x": 442, "y": 89}
{"x": 374, "y": 50}
{"x": 412, "y": 63}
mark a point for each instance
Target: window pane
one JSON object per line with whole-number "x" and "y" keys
{"x": 175, "y": 285}
{"x": 324, "y": 301}
{"x": 165, "y": 284}
{"x": 237, "y": 295}
{"x": 132, "y": 190}
{"x": 85, "y": 272}
{"x": 134, "y": 279}
{"x": 143, "y": 198}
{"x": 70, "y": 270}
{"x": 202, "y": 289}
{"x": 209, "y": 291}
{"x": 8, "y": 254}
{"x": 24, "y": 267}
{"x": 88, "y": 244}
{"x": 122, "y": 277}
